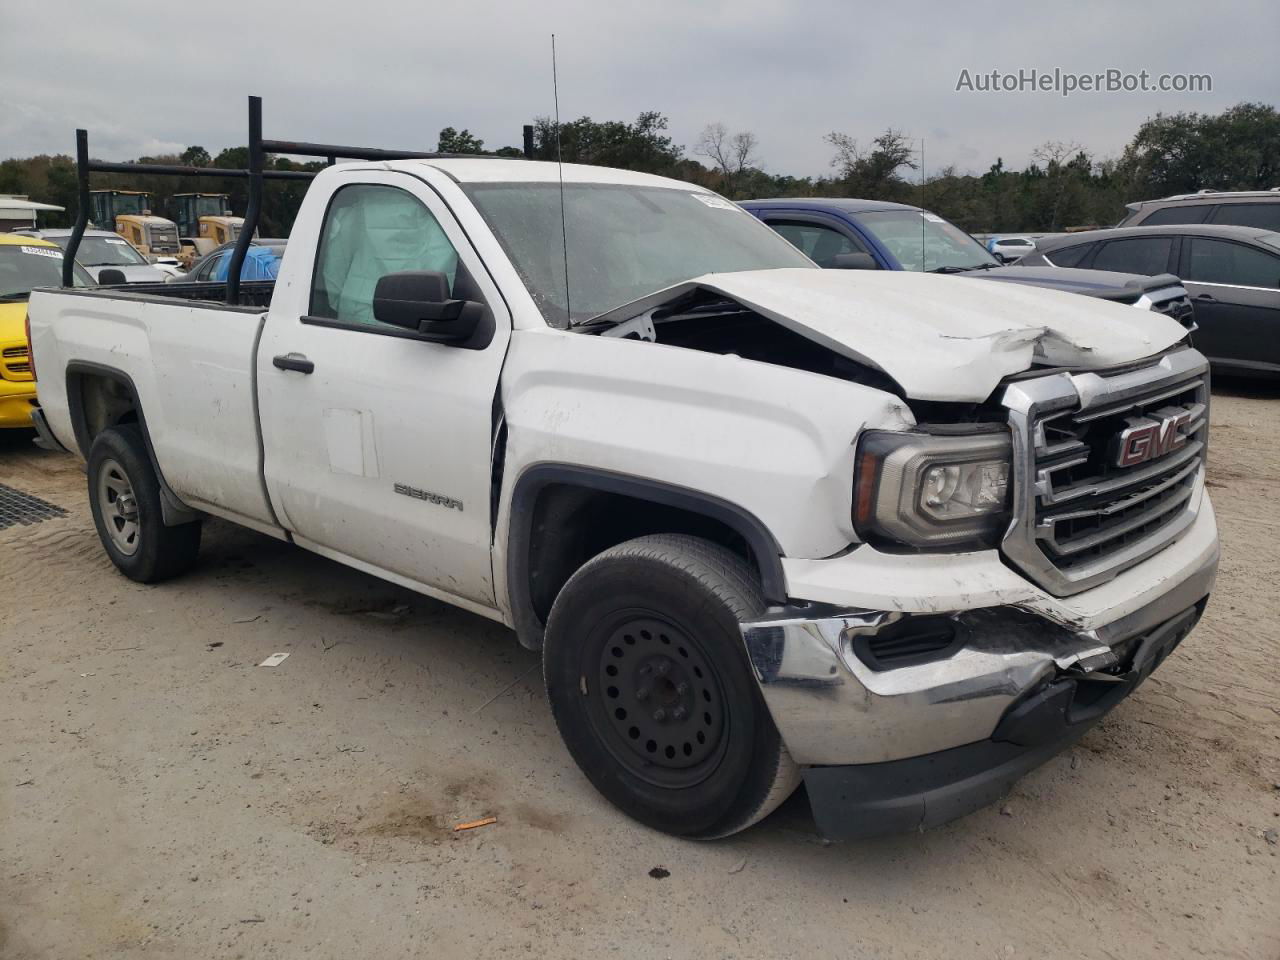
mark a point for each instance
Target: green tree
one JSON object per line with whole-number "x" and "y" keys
{"x": 640, "y": 145}
{"x": 458, "y": 141}
{"x": 196, "y": 157}
{"x": 1238, "y": 149}
{"x": 876, "y": 172}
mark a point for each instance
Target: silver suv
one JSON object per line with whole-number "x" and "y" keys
{"x": 1239, "y": 208}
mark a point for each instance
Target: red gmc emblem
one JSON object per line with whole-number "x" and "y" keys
{"x": 1146, "y": 438}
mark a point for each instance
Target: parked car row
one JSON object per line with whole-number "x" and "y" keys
{"x": 1210, "y": 259}
{"x": 103, "y": 250}
{"x": 1231, "y": 273}
{"x": 874, "y": 234}
{"x": 1219, "y": 275}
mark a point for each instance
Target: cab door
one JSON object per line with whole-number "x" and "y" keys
{"x": 377, "y": 446}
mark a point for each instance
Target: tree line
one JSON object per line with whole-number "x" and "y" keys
{"x": 1063, "y": 186}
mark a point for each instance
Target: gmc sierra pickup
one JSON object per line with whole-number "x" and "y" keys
{"x": 900, "y": 537}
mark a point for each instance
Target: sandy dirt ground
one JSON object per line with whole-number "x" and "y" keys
{"x": 161, "y": 796}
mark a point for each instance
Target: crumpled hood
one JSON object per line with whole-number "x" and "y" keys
{"x": 939, "y": 337}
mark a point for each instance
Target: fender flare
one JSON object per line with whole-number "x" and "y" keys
{"x": 174, "y": 511}
{"x": 537, "y": 477}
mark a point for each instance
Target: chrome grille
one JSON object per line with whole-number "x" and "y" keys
{"x": 1079, "y": 516}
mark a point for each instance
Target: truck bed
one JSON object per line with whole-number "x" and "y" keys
{"x": 189, "y": 360}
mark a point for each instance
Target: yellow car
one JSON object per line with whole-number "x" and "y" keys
{"x": 25, "y": 262}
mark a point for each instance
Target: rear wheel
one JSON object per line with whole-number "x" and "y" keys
{"x": 651, "y": 690}
{"x": 124, "y": 496}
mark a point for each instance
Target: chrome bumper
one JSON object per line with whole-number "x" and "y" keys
{"x": 836, "y": 703}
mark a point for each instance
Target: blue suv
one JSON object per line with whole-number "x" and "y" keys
{"x": 875, "y": 235}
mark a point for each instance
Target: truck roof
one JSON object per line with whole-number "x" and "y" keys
{"x": 499, "y": 170}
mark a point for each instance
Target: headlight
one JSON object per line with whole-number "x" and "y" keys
{"x": 932, "y": 492}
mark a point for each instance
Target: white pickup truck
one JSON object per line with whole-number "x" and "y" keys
{"x": 897, "y": 535}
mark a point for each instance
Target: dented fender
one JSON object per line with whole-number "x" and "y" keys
{"x": 776, "y": 442}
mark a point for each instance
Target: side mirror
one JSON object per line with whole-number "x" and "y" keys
{"x": 419, "y": 300}
{"x": 853, "y": 261}
{"x": 110, "y": 277}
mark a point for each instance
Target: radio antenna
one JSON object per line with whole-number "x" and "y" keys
{"x": 564, "y": 232}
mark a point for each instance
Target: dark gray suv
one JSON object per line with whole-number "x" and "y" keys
{"x": 1231, "y": 273}
{"x": 1237, "y": 208}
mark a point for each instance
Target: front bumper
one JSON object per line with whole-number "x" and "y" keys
{"x": 907, "y": 720}
{"x": 17, "y": 400}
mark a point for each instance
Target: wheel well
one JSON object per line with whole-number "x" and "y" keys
{"x": 98, "y": 401}
{"x": 559, "y": 524}
{"x": 100, "y": 397}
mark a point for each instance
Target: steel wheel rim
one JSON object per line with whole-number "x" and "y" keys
{"x": 657, "y": 703}
{"x": 118, "y": 507}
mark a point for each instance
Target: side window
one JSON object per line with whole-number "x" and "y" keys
{"x": 819, "y": 243}
{"x": 1180, "y": 213}
{"x": 1265, "y": 215}
{"x": 369, "y": 231}
{"x": 1068, "y": 256}
{"x": 1144, "y": 255}
{"x": 206, "y": 269}
{"x": 1219, "y": 261}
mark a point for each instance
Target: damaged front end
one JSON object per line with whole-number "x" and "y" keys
{"x": 907, "y": 721}
{"x": 911, "y": 715}
{"x": 923, "y": 336}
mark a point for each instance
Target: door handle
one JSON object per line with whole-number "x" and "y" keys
{"x": 293, "y": 361}
{"x": 1206, "y": 298}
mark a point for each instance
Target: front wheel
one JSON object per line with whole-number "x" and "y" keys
{"x": 124, "y": 496}
{"x": 651, "y": 690}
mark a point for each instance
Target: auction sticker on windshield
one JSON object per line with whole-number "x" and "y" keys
{"x": 711, "y": 200}
{"x": 118, "y": 243}
{"x": 42, "y": 252}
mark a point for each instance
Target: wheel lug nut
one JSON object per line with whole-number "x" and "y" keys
{"x": 682, "y": 688}
{"x": 659, "y": 715}
{"x": 642, "y": 693}
{"x": 663, "y": 667}
{"x": 679, "y": 713}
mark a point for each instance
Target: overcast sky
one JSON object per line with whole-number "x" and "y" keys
{"x": 147, "y": 77}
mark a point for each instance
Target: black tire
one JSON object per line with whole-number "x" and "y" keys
{"x": 651, "y": 690}
{"x": 131, "y": 526}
